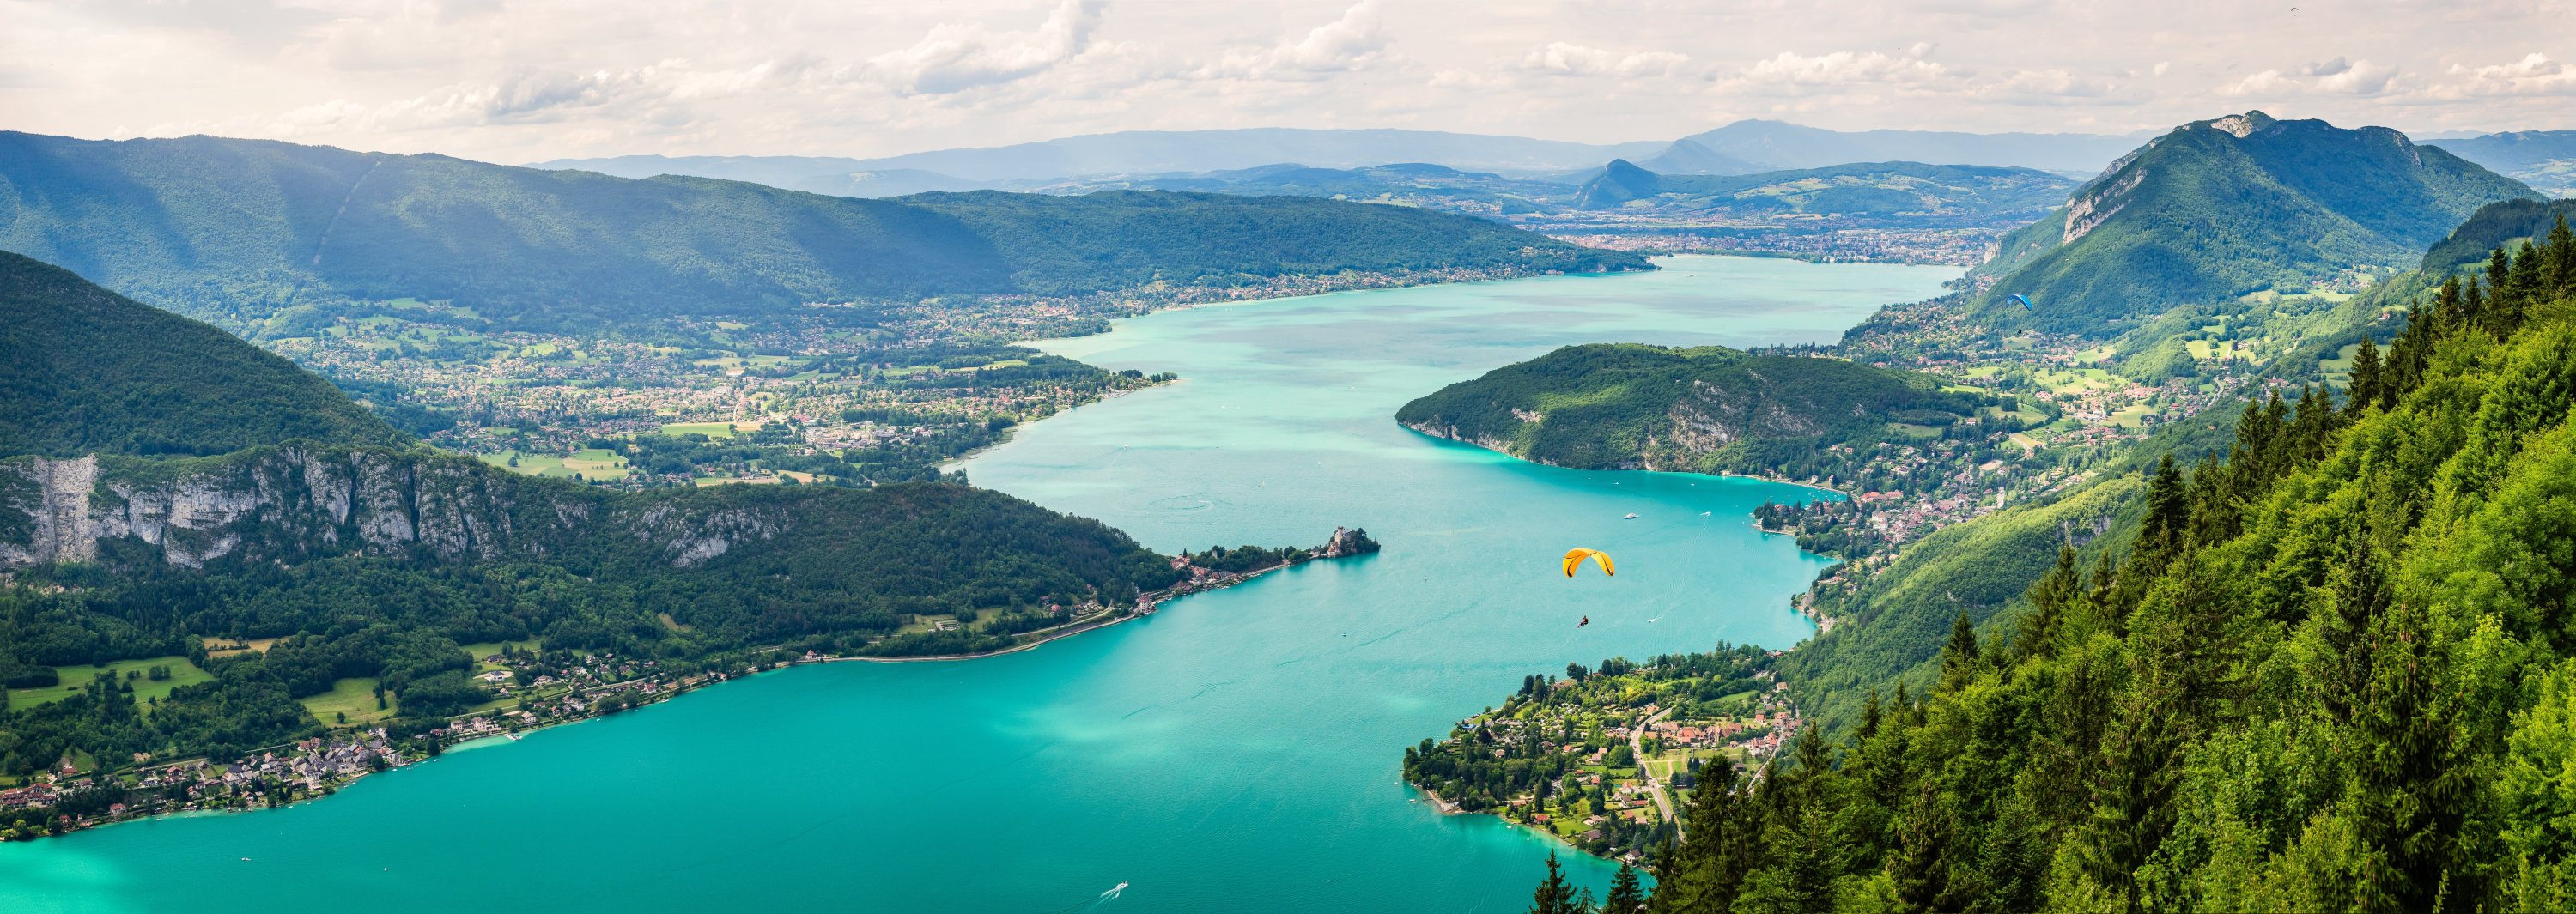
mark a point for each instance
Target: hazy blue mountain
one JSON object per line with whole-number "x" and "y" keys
{"x": 243, "y": 228}
{"x": 775, "y": 171}
{"x": 1773, "y": 145}
{"x": 2544, "y": 159}
{"x": 1869, "y": 193}
{"x": 2220, "y": 208}
{"x": 1739, "y": 148}
{"x": 1691, "y": 157}
{"x": 839, "y": 177}
{"x": 1155, "y": 151}
{"x": 892, "y": 182}
{"x": 1410, "y": 184}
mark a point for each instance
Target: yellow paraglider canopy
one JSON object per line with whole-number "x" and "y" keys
{"x": 1574, "y": 559}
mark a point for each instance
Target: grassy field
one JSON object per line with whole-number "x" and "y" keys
{"x": 2338, "y": 370}
{"x": 732, "y": 363}
{"x": 480, "y": 650}
{"x": 182, "y": 673}
{"x": 219, "y": 647}
{"x": 591, "y": 464}
{"x": 353, "y": 697}
{"x": 710, "y": 429}
{"x": 2221, "y": 349}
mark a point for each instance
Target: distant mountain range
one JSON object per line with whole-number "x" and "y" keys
{"x": 2221, "y": 208}
{"x": 2544, "y": 159}
{"x": 1743, "y": 147}
{"x": 1774, "y": 145}
{"x": 1916, "y": 194}
{"x": 239, "y": 230}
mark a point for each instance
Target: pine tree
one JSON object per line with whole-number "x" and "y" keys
{"x": 2049, "y": 601}
{"x": 2168, "y": 518}
{"x": 1626, "y": 896}
{"x": 1959, "y": 657}
{"x": 1555, "y": 895}
{"x": 2558, "y": 270}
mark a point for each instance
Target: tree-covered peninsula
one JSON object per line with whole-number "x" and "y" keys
{"x": 1708, "y": 409}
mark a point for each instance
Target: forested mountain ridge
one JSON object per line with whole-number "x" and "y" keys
{"x": 2496, "y": 226}
{"x": 2330, "y": 672}
{"x": 89, "y": 371}
{"x": 234, "y": 230}
{"x": 2220, "y": 208}
{"x": 1706, "y": 409}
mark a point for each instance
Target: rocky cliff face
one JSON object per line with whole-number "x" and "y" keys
{"x": 296, "y": 503}
{"x": 280, "y": 504}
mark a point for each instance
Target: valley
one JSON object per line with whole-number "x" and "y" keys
{"x": 1099, "y": 456}
{"x": 1253, "y": 709}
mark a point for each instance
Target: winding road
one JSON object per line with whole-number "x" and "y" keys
{"x": 1637, "y": 744}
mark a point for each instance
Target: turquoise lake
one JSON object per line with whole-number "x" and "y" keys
{"x": 1237, "y": 751}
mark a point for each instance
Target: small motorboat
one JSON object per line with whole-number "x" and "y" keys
{"x": 1629, "y": 517}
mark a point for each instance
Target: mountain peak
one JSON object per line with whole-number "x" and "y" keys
{"x": 1619, "y": 182}
{"x": 2240, "y": 125}
{"x": 2191, "y": 219}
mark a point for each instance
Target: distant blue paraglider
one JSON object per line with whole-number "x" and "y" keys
{"x": 2024, "y": 300}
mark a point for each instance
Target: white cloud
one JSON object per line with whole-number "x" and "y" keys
{"x": 1355, "y": 41}
{"x": 2336, "y": 76}
{"x": 1789, "y": 70}
{"x": 956, "y": 57}
{"x": 1578, "y": 60}
{"x": 516, "y": 81}
{"x": 2534, "y": 74}
{"x": 2050, "y": 87}
{"x": 525, "y": 97}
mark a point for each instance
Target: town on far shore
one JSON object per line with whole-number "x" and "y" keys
{"x": 1603, "y": 759}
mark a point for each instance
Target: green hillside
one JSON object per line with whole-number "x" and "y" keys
{"x": 90, "y": 371}
{"x": 1919, "y": 194}
{"x": 2331, "y": 672}
{"x": 1708, "y": 409}
{"x": 2496, "y": 225}
{"x": 236, "y": 229}
{"x": 2221, "y": 208}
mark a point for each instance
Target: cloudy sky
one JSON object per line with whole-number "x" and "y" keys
{"x": 512, "y": 81}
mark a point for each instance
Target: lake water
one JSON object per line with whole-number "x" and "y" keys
{"x": 1237, "y": 751}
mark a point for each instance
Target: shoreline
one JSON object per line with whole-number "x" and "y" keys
{"x": 1066, "y": 630}
{"x": 1149, "y": 604}
{"x": 1818, "y": 487}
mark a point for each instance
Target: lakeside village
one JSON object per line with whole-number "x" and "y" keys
{"x": 1605, "y": 759}
{"x": 2060, "y": 407}
{"x": 530, "y": 688}
{"x": 842, "y": 394}
{"x": 1962, "y": 247}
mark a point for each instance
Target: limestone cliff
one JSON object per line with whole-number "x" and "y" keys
{"x": 295, "y": 503}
